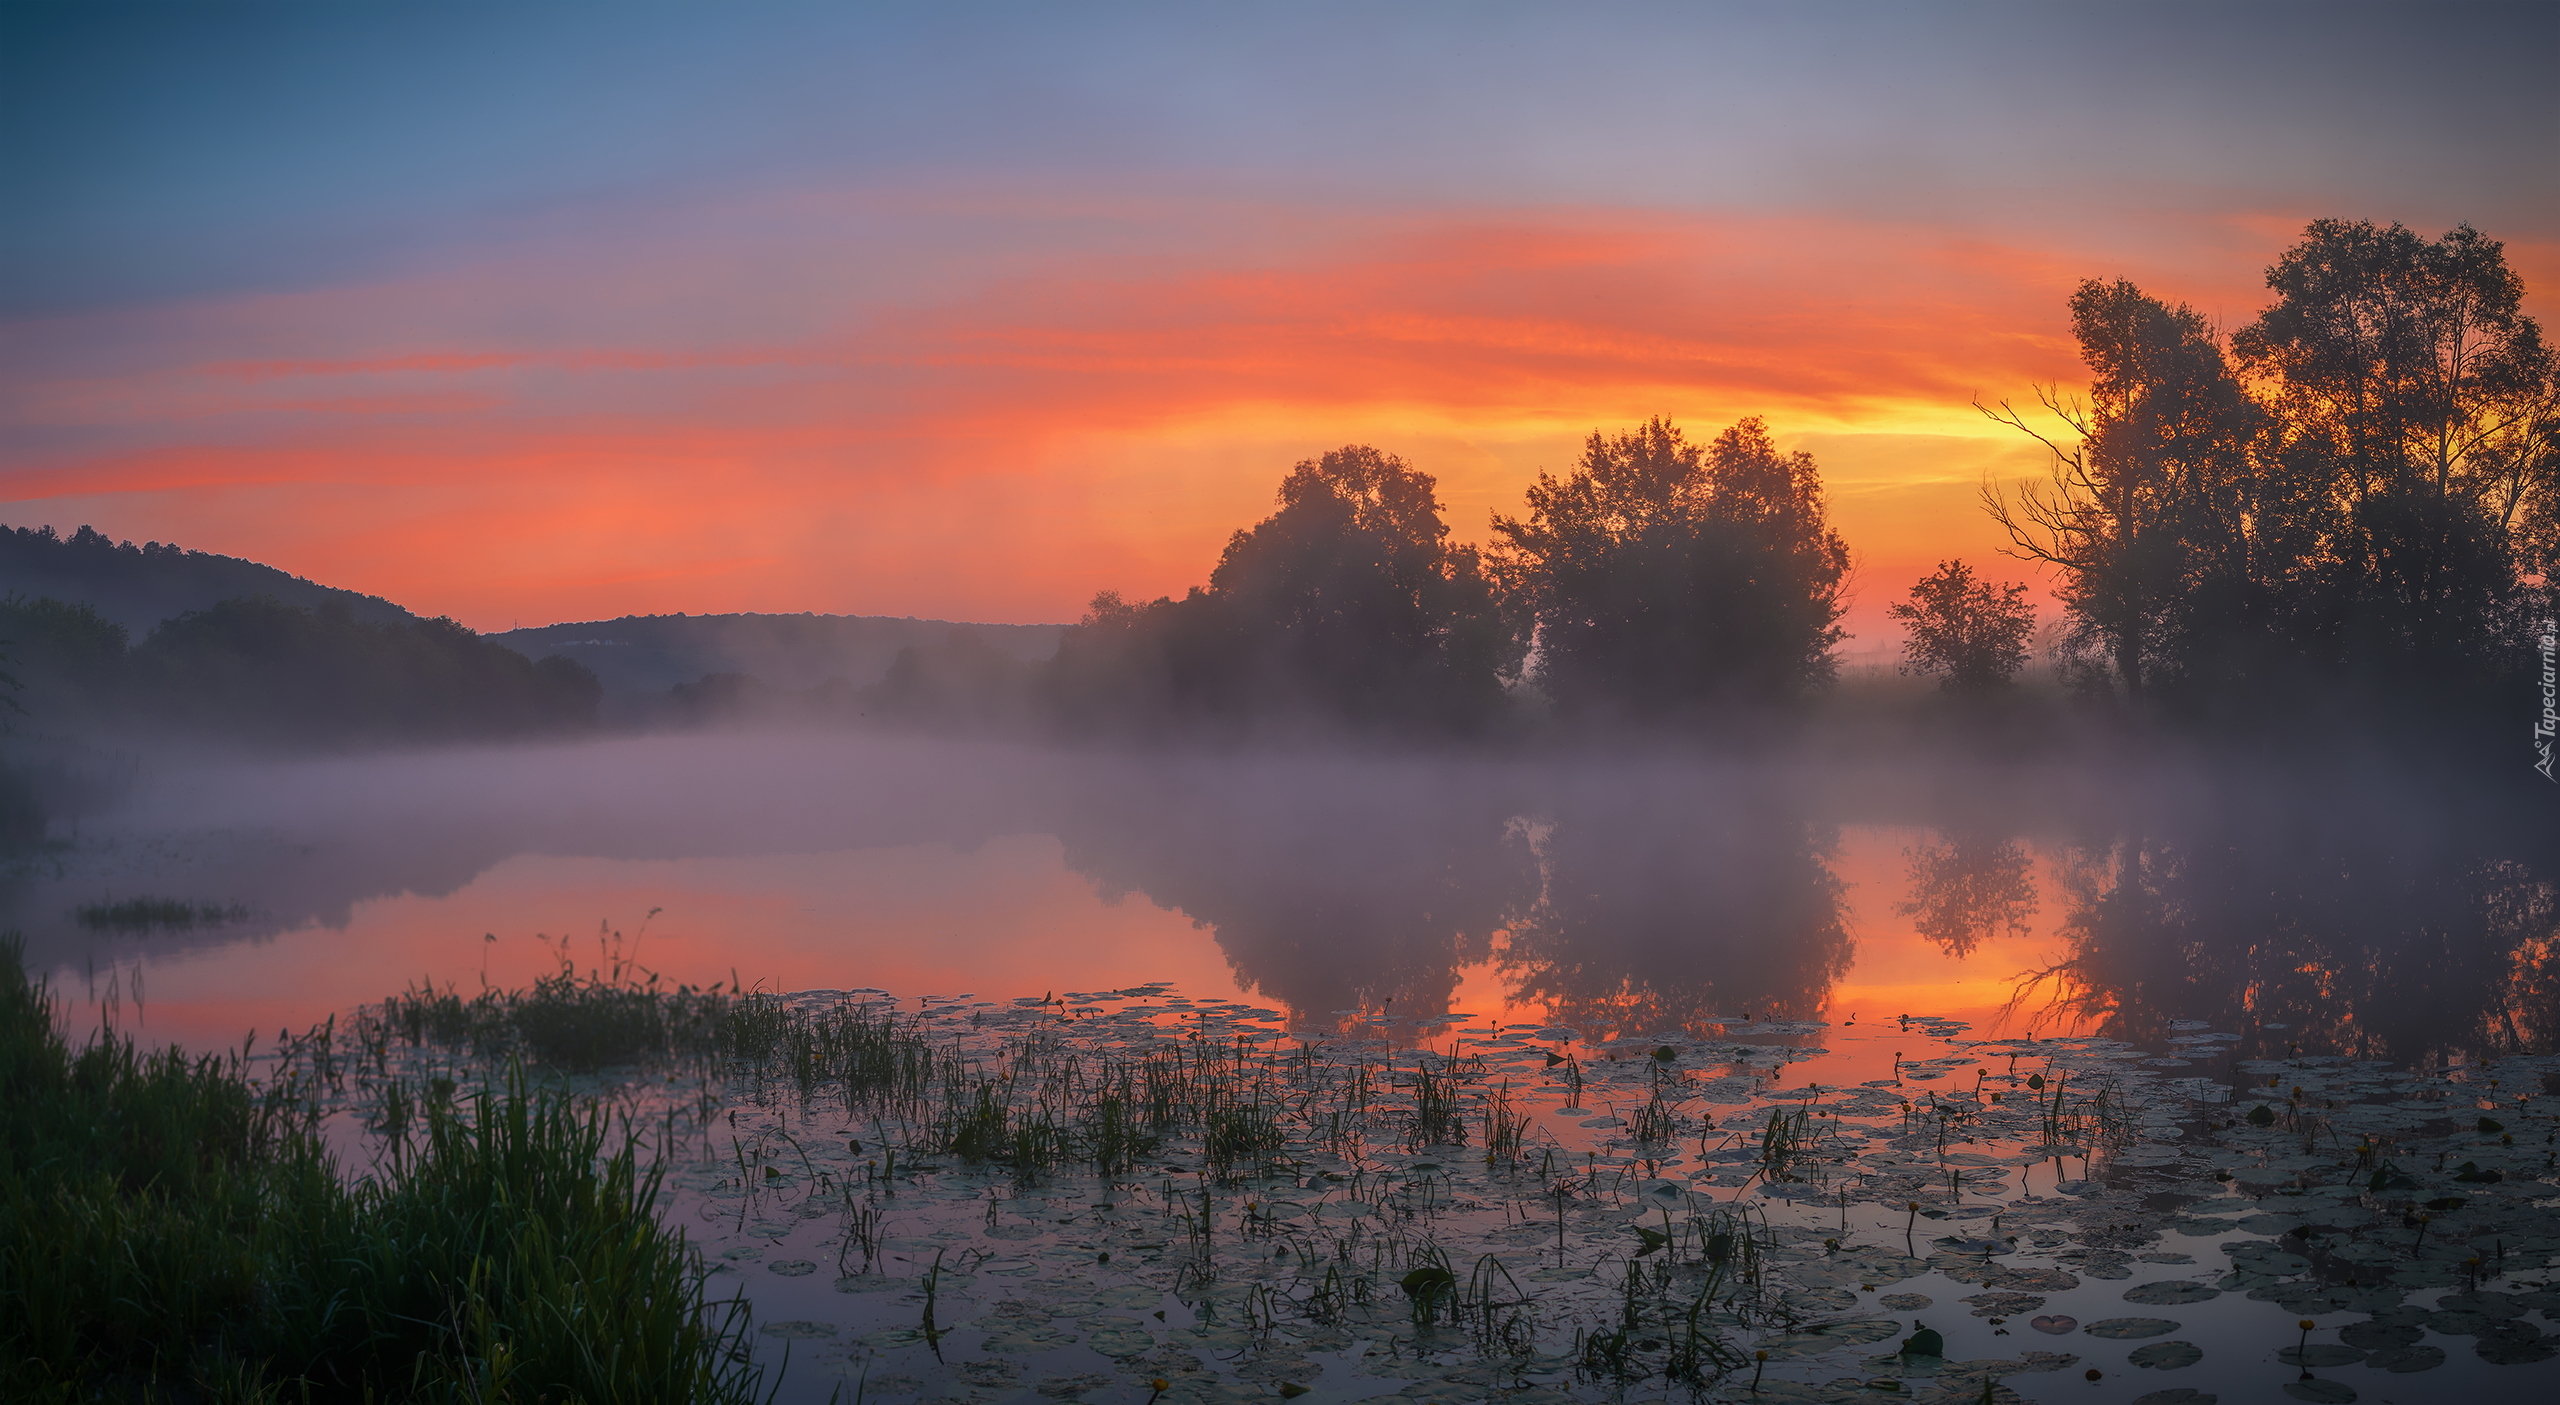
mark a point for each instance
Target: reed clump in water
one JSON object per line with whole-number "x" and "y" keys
{"x": 169, "y": 1227}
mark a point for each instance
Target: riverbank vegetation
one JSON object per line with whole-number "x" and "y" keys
{"x": 171, "y": 1228}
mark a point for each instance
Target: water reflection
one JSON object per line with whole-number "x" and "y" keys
{"x": 1975, "y": 883}
{"x": 2370, "y": 919}
{"x": 2388, "y": 925}
{"x": 1665, "y": 905}
{"x": 1329, "y": 887}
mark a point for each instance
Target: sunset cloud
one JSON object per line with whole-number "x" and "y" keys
{"x": 1069, "y": 393}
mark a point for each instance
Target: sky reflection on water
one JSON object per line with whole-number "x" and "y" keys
{"x": 1615, "y": 896}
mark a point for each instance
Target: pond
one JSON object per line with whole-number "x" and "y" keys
{"x": 2124, "y": 1073}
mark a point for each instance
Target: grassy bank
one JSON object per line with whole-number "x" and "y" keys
{"x": 169, "y": 1230}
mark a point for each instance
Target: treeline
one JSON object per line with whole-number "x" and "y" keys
{"x": 261, "y": 672}
{"x": 138, "y": 586}
{"x": 2344, "y": 511}
{"x": 2340, "y": 519}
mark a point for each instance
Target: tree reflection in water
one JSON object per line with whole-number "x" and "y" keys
{"x": 1330, "y": 886}
{"x": 1619, "y": 901}
{"x": 1974, "y": 884}
{"x": 2368, "y": 925}
{"x": 1665, "y": 905}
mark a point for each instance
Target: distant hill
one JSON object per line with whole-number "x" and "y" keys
{"x": 652, "y": 653}
{"x": 139, "y": 586}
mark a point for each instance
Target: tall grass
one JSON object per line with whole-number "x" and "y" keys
{"x": 168, "y": 1229}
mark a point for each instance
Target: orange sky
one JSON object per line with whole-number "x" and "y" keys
{"x": 950, "y": 311}
{"x": 866, "y": 413}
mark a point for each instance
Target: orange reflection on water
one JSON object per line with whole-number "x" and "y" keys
{"x": 1006, "y": 918}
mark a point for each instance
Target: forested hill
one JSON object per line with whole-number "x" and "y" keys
{"x": 139, "y": 586}
{"x": 651, "y": 653}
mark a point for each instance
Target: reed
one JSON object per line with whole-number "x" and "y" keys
{"x": 170, "y": 1229}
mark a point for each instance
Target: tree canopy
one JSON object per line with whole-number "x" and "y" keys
{"x": 1348, "y": 606}
{"x": 1663, "y": 578}
{"x": 2348, "y": 506}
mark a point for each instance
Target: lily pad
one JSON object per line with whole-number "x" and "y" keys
{"x": 1027, "y": 1336}
{"x": 798, "y": 1330}
{"x": 2129, "y": 1328}
{"x": 1810, "y": 1301}
{"x": 2166, "y": 1356}
{"x": 2177, "y": 1395}
{"x": 2323, "y": 1392}
{"x": 2401, "y": 1361}
{"x": 2170, "y": 1292}
{"x": 793, "y": 1268}
{"x": 2515, "y": 1344}
{"x": 2320, "y": 1354}
{"x": 1904, "y": 1302}
{"x": 2379, "y": 1336}
{"x": 1120, "y": 1342}
{"x": 2058, "y": 1324}
{"x": 2033, "y": 1280}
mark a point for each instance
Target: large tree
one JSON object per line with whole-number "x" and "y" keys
{"x": 2150, "y": 486}
{"x": 2357, "y": 503}
{"x": 1661, "y": 577}
{"x": 1347, "y": 606}
{"x": 2409, "y": 381}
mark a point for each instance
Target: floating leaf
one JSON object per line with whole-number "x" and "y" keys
{"x": 2056, "y": 1325}
{"x": 2170, "y": 1291}
{"x": 2128, "y": 1328}
{"x": 800, "y": 1330}
{"x": 2515, "y": 1344}
{"x": 793, "y": 1268}
{"x": 2379, "y": 1336}
{"x": 2166, "y": 1356}
{"x": 2320, "y": 1354}
{"x": 2325, "y": 1392}
{"x": 2402, "y": 1361}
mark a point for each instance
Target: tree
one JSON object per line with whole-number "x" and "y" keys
{"x": 1348, "y": 606}
{"x": 1969, "y": 634}
{"x": 1661, "y": 578}
{"x": 2150, "y": 484}
{"x": 2409, "y": 381}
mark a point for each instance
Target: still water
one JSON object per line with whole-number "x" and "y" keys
{"x": 1610, "y": 894}
{"x": 2375, "y": 962}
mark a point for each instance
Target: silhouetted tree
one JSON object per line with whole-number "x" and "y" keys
{"x": 963, "y": 683}
{"x": 2151, "y": 484}
{"x": 2409, "y": 381}
{"x": 1663, "y": 578}
{"x": 68, "y": 660}
{"x": 1969, "y": 634}
{"x": 264, "y": 671}
{"x": 1347, "y": 606}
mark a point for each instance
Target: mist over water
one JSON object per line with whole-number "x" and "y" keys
{"x": 1630, "y": 892}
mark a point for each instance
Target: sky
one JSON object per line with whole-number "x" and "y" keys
{"x": 527, "y": 313}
